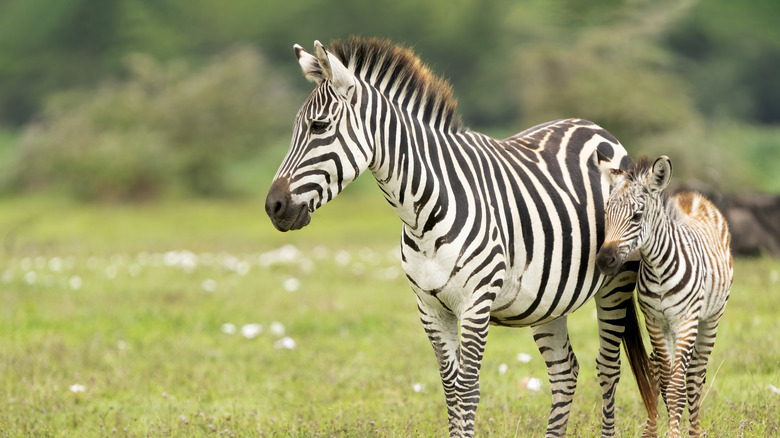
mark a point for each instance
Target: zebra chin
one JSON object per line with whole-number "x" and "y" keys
{"x": 296, "y": 219}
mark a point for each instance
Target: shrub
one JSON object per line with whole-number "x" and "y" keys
{"x": 165, "y": 129}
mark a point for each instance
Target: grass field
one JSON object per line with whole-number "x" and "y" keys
{"x": 198, "y": 318}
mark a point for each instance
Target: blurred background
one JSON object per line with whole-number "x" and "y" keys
{"x": 130, "y": 101}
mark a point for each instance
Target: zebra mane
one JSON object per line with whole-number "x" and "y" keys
{"x": 638, "y": 169}
{"x": 392, "y": 69}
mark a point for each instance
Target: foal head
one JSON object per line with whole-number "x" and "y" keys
{"x": 635, "y": 197}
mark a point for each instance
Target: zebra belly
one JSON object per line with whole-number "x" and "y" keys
{"x": 516, "y": 304}
{"x": 533, "y": 306}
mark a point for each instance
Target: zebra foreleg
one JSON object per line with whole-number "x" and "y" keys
{"x": 552, "y": 339}
{"x": 474, "y": 324}
{"x": 442, "y": 331}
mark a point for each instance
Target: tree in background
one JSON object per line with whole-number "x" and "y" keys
{"x": 680, "y": 76}
{"x": 166, "y": 128}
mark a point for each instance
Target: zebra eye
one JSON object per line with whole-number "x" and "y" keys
{"x": 318, "y": 126}
{"x": 636, "y": 217}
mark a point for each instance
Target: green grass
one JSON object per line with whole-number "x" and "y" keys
{"x": 106, "y": 297}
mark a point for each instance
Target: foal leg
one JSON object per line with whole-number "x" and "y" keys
{"x": 686, "y": 333}
{"x": 552, "y": 339}
{"x": 660, "y": 361}
{"x": 696, "y": 375}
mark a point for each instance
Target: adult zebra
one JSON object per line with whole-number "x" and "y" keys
{"x": 498, "y": 232}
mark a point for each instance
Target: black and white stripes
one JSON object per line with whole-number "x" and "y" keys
{"x": 501, "y": 232}
{"x": 684, "y": 278}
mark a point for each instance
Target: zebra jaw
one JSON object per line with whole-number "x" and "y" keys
{"x": 284, "y": 214}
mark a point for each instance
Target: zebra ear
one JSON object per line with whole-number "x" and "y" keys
{"x": 661, "y": 175}
{"x": 309, "y": 65}
{"x": 341, "y": 78}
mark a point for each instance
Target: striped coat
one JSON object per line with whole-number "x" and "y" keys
{"x": 495, "y": 232}
{"x": 684, "y": 278}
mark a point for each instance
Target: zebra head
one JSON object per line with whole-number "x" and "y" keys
{"x": 327, "y": 150}
{"x": 632, "y": 204}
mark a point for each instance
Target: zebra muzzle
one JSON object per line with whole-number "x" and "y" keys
{"x": 284, "y": 213}
{"x": 609, "y": 259}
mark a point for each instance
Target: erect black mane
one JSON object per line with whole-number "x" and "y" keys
{"x": 374, "y": 60}
{"x": 638, "y": 168}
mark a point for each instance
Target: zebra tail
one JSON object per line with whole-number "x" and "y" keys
{"x": 640, "y": 362}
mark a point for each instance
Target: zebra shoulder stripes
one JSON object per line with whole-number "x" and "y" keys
{"x": 684, "y": 278}
{"x": 501, "y": 232}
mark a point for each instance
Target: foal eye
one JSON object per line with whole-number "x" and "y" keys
{"x": 318, "y": 126}
{"x": 637, "y": 216}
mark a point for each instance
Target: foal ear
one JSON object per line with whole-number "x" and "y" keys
{"x": 310, "y": 66}
{"x": 661, "y": 174}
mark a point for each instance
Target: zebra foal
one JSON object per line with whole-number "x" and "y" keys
{"x": 684, "y": 279}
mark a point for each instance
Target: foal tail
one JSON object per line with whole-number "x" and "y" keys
{"x": 637, "y": 357}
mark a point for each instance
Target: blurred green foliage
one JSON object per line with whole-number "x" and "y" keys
{"x": 163, "y": 129}
{"x": 127, "y": 99}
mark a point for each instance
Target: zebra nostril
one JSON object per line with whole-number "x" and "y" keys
{"x": 278, "y": 206}
{"x": 275, "y": 207}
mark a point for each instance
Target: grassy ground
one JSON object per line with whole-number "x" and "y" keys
{"x": 191, "y": 319}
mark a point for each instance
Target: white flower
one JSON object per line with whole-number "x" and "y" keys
{"x": 228, "y": 328}
{"x": 285, "y": 254}
{"x": 417, "y": 387}
{"x": 292, "y": 284}
{"x": 342, "y": 258}
{"x": 209, "y": 285}
{"x": 75, "y": 282}
{"x": 277, "y": 328}
{"x": 55, "y": 264}
{"x": 76, "y": 387}
{"x": 390, "y": 273}
{"x": 31, "y": 277}
{"x": 286, "y": 343}
{"x": 523, "y": 357}
{"x": 251, "y": 330}
{"x": 774, "y": 389}
{"x": 242, "y": 268}
{"x": 502, "y": 369}
{"x": 533, "y": 384}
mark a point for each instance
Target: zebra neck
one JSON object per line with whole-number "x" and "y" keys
{"x": 408, "y": 164}
{"x": 662, "y": 244}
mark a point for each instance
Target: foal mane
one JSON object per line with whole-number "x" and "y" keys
{"x": 400, "y": 75}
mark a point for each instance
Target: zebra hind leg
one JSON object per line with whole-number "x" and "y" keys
{"x": 552, "y": 339}
{"x": 618, "y": 322}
